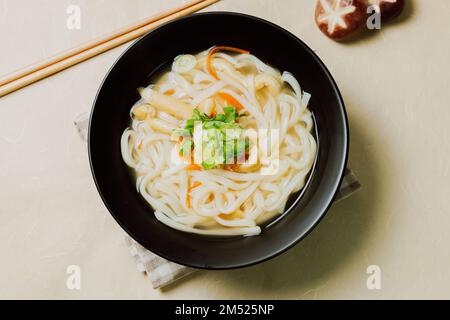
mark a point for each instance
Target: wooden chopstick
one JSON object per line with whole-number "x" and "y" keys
{"x": 55, "y": 64}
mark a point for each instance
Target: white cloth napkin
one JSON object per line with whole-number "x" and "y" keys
{"x": 163, "y": 272}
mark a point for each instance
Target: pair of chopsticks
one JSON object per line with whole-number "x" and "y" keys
{"x": 28, "y": 75}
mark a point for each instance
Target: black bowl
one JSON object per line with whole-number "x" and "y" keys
{"x": 195, "y": 33}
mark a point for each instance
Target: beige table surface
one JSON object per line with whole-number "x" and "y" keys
{"x": 396, "y": 87}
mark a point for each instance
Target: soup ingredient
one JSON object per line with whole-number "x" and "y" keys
{"x": 216, "y": 49}
{"x": 166, "y": 103}
{"x": 184, "y": 63}
{"x": 194, "y": 167}
{"x": 340, "y": 18}
{"x": 231, "y": 100}
{"x": 141, "y": 112}
{"x": 208, "y": 106}
{"x": 223, "y": 142}
{"x": 388, "y": 9}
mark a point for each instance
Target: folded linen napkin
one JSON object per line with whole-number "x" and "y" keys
{"x": 163, "y": 272}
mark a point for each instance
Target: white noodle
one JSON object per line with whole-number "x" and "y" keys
{"x": 223, "y": 202}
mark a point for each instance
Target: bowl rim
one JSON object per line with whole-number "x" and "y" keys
{"x": 339, "y": 175}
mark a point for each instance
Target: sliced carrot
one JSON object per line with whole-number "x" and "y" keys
{"x": 169, "y": 92}
{"x": 230, "y": 100}
{"x": 190, "y": 187}
{"x": 193, "y": 167}
{"x": 188, "y": 196}
{"x": 216, "y": 49}
{"x": 195, "y": 185}
{"x": 188, "y": 202}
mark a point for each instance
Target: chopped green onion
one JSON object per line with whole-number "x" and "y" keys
{"x": 223, "y": 137}
{"x": 186, "y": 147}
{"x": 181, "y": 133}
{"x": 220, "y": 117}
{"x": 209, "y": 164}
{"x": 184, "y": 63}
{"x": 230, "y": 114}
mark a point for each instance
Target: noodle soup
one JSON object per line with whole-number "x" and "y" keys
{"x": 219, "y": 142}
